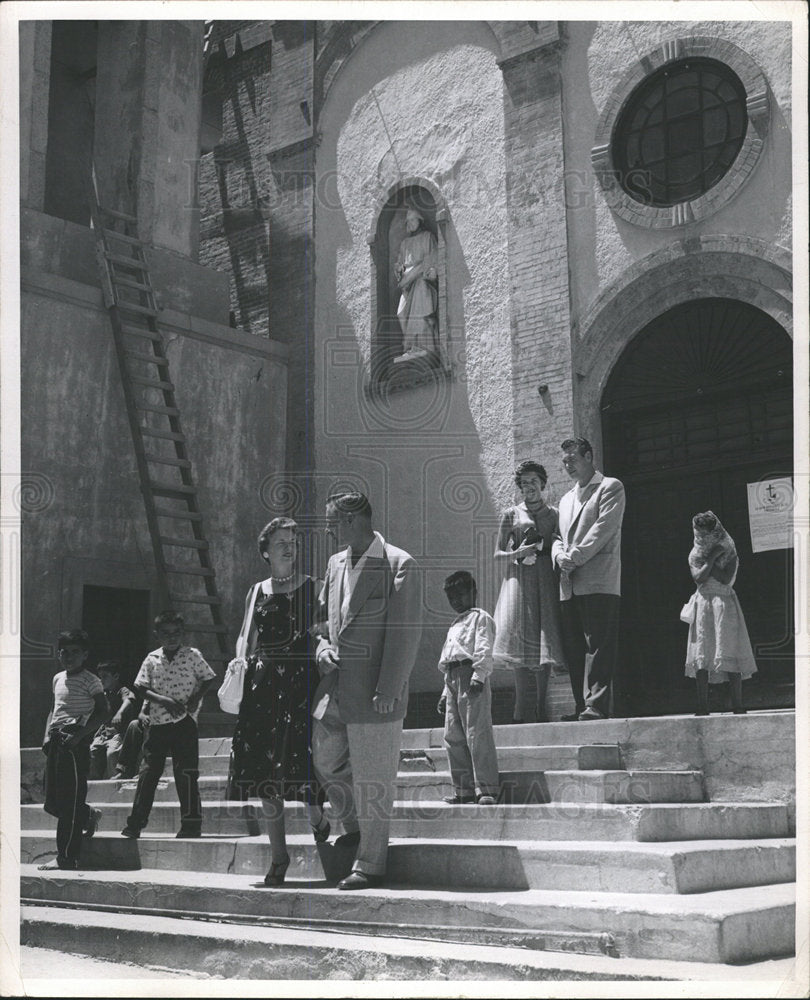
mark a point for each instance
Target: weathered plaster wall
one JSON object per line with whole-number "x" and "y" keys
{"x": 35, "y": 66}
{"x": 595, "y": 58}
{"x": 179, "y": 53}
{"x": 147, "y": 134}
{"x": 231, "y": 390}
{"x": 419, "y": 100}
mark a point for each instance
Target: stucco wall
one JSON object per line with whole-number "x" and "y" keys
{"x": 595, "y": 58}
{"x": 419, "y": 100}
{"x": 147, "y": 126}
{"x": 90, "y": 526}
{"x": 35, "y": 70}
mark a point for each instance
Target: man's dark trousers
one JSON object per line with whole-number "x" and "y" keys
{"x": 590, "y": 634}
{"x": 180, "y": 740}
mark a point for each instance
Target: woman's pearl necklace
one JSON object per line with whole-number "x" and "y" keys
{"x": 283, "y": 579}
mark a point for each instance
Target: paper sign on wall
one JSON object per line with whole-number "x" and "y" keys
{"x": 770, "y": 514}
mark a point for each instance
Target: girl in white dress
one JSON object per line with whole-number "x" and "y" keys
{"x": 718, "y": 648}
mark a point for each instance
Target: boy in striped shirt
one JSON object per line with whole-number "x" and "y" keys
{"x": 79, "y": 708}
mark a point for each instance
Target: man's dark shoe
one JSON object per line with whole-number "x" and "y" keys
{"x": 187, "y": 834}
{"x": 570, "y": 718}
{"x": 459, "y": 800}
{"x": 130, "y": 834}
{"x": 360, "y": 880}
{"x": 348, "y": 840}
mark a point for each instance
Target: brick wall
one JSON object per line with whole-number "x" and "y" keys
{"x": 234, "y": 184}
{"x": 538, "y": 258}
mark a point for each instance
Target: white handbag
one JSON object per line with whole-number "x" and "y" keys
{"x": 230, "y": 691}
{"x": 689, "y": 610}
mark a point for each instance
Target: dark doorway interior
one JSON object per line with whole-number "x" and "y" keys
{"x": 117, "y": 621}
{"x": 698, "y": 406}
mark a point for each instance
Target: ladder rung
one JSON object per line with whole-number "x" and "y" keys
{"x": 186, "y": 599}
{"x": 170, "y": 411}
{"x": 125, "y": 306}
{"x": 184, "y": 543}
{"x": 153, "y": 358}
{"x": 184, "y": 515}
{"x": 133, "y": 262}
{"x": 182, "y": 463}
{"x": 171, "y": 489}
{"x": 151, "y": 383}
{"x": 164, "y": 435}
{"x": 124, "y": 239}
{"x": 118, "y": 215}
{"x": 141, "y": 331}
{"x": 119, "y": 279}
{"x": 189, "y": 570}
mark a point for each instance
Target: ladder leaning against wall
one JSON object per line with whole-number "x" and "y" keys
{"x": 182, "y": 556}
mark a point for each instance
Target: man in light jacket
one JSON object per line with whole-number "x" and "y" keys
{"x": 587, "y": 550}
{"x": 371, "y": 604}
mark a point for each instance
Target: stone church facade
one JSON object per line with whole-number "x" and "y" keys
{"x": 591, "y": 278}
{"x": 656, "y": 324}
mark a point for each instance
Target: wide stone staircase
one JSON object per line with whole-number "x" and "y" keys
{"x": 604, "y": 859}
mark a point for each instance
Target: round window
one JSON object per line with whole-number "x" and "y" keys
{"x": 679, "y": 132}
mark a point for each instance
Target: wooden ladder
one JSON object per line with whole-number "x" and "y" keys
{"x": 164, "y": 469}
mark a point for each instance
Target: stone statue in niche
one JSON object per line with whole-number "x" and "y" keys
{"x": 415, "y": 271}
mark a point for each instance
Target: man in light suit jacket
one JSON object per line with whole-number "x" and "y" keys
{"x": 587, "y": 550}
{"x": 371, "y": 602}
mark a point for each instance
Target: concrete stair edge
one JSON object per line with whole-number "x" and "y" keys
{"x": 637, "y": 822}
{"x": 679, "y": 867}
{"x": 723, "y": 926}
{"x": 277, "y": 953}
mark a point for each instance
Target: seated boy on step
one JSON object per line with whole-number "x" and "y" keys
{"x": 107, "y": 743}
{"x": 79, "y": 707}
{"x": 173, "y": 679}
{"x": 129, "y": 759}
{"x": 466, "y": 702}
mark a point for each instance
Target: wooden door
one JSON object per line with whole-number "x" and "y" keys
{"x": 699, "y": 405}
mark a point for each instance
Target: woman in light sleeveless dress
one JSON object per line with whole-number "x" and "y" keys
{"x": 527, "y": 615}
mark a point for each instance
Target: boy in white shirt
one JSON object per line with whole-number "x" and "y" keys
{"x": 79, "y": 708}
{"x": 466, "y": 702}
{"x": 173, "y": 679}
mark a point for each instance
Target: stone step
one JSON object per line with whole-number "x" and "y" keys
{"x": 272, "y": 953}
{"x": 679, "y": 867}
{"x": 731, "y": 925}
{"x": 554, "y": 821}
{"x": 516, "y": 787}
{"x": 565, "y": 757}
{"x": 557, "y": 756}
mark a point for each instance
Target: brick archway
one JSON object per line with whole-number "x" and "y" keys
{"x": 737, "y": 267}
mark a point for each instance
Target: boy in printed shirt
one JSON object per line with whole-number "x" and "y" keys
{"x": 107, "y": 743}
{"x": 79, "y": 707}
{"x": 466, "y": 702}
{"x": 173, "y": 679}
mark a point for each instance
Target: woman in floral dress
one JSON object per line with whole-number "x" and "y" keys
{"x": 271, "y": 755}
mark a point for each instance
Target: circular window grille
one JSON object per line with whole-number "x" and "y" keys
{"x": 679, "y": 132}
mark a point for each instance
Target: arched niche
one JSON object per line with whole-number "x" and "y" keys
{"x": 384, "y": 242}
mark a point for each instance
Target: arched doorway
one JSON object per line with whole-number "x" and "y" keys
{"x": 698, "y": 405}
